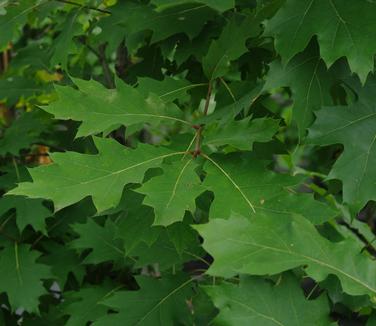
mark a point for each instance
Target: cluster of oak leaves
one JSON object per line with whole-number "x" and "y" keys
{"x": 187, "y": 162}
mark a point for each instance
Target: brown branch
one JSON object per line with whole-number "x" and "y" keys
{"x": 34, "y": 155}
{"x": 103, "y": 11}
{"x": 122, "y": 60}
{"x": 101, "y": 55}
{"x": 5, "y": 60}
{"x": 106, "y": 68}
{"x": 197, "y": 150}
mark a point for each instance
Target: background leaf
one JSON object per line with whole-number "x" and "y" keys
{"x": 257, "y": 302}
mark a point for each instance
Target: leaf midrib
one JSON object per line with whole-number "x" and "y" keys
{"x": 309, "y": 258}
{"x": 256, "y": 312}
{"x": 371, "y": 115}
{"x": 174, "y": 189}
{"x": 163, "y": 300}
{"x": 122, "y": 170}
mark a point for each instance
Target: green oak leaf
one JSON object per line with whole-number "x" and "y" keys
{"x": 65, "y": 218}
{"x": 266, "y": 245}
{"x": 241, "y": 134}
{"x": 244, "y": 185}
{"x": 186, "y": 18}
{"x": 134, "y": 225}
{"x": 15, "y": 16}
{"x": 113, "y": 29}
{"x": 182, "y": 236}
{"x": 309, "y": 81}
{"x": 372, "y": 320}
{"x": 86, "y": 305}
{"x": 223, "y": 114}
{"x": 74, "y": 176}
{"x": 52, "y": 317}
{"x": 2, "y": 318}
{"x": 100, "y": 239}
{"x": 21, "y": 276}
{"x": 227, "y": 48}
{"x": 16, "y": 88}
{"x": 11, "y": 176}
{"x": 101, "y": 109}
{"x": 32, "y": 56}
{"x": 336, "y": 295}
{"x": 64, "y": 45}
{"x": 146, "y": 244}
{"x": 198, "y": 47}
{"x": 29, "y": 211}
{"x": 133, "y": 20}
{"x": 22, "y": 133}
{"x": 166, "y": 252}
{"x": 354, "y": 127}
{"x": 222, "y": 5}
{"x": 62, "y": 261}
{"x": 168, "y": 89}
{"x": 159, "y": 302}
{"x": 339, "y": 31}
{"x": 358, "y": 226}
{"x": 174, "y": 192}
{"x": 204, "y": 309}
{"x": 182, "y": 49}
{"x": 255, "y": 301}
{"x": 151, "y": 212}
